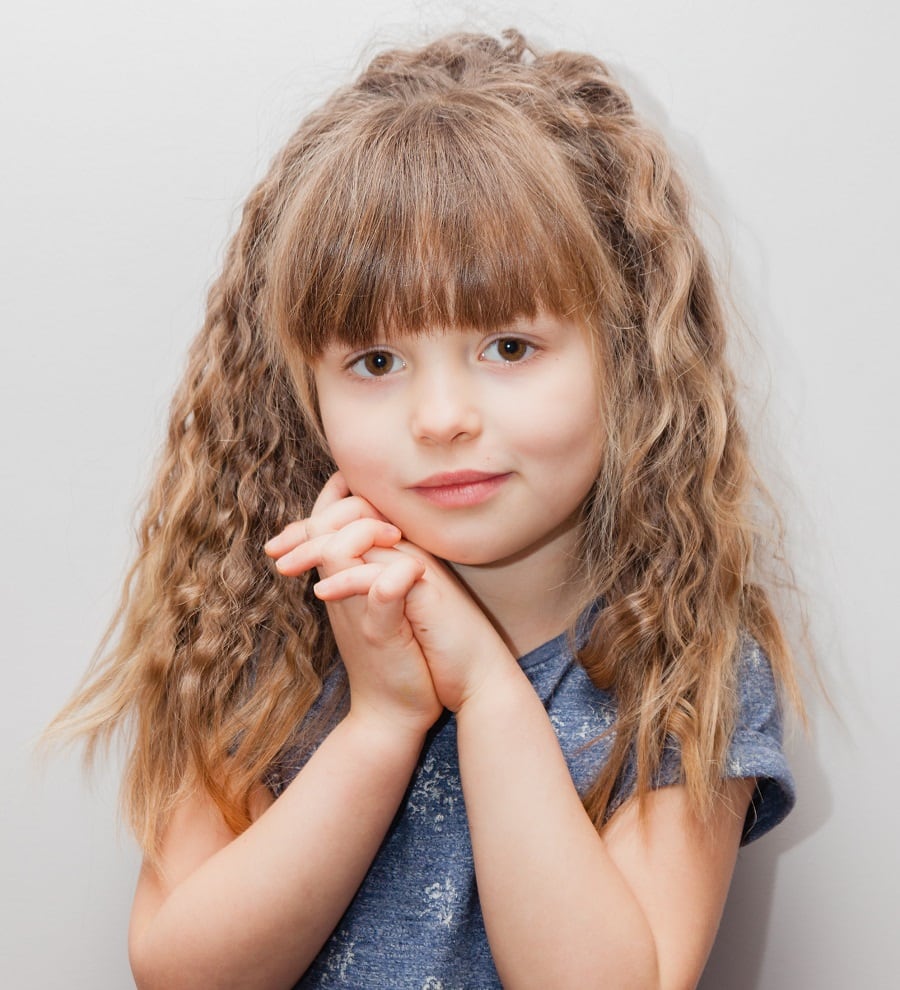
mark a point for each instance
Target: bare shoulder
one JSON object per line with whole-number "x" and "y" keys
{"x": 680, "y": 869}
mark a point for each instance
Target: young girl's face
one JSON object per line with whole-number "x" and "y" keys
{"x": 479, "y": 447}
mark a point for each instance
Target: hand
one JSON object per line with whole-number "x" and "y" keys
{"x": 461, "y": 646}
{"x": 388, "y": 675}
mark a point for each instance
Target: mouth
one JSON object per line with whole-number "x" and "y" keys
{"x": 460, "y": 489}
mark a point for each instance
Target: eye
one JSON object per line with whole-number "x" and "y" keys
{"x": 508, "y": 350}
{"x": 375, "y": 364}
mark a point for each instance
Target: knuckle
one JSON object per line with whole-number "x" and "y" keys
{"x": 329, "y": 555}
{"x": 379, "y": 594}
{"x": 373, "y": 633}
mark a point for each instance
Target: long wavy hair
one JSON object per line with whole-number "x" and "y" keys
{"x": 461, "y": 184}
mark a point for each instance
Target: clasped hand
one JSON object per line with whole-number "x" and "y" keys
{"x": 411, "y": 637}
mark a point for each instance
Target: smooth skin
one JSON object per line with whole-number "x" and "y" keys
{"x": 637, "y": 906}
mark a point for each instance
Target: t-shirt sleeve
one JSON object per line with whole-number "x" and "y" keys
{"x": 755, "y": 749}
{"x": 327, "y": 710}
{"x": 756, "y": 746}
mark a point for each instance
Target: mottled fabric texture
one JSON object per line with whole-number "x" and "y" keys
{"x": 416, "y": 921}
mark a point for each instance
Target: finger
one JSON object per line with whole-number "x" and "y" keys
{"x": 329, "y": 520}
{"x": 395, "y": 580}
{"x": 385, "y": 617}
{"x": 413, "y": 550}
{"x": 332, "y": 491}
{"x": 348, "y": 583}
{"x": 382, "y": 583}
{"x": 332, "y": 517}
{"x": 430, "y": 563}
{"x": 332, "y": 511}
{"x": 291, "y": 536}
{"x": 337, "y": 551}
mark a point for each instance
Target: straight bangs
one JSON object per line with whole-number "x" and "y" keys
{"x": 451, "y": 211}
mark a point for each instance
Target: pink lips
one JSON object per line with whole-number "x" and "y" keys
{"x": 459, "y": 489}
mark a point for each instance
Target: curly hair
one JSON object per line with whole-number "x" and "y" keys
{"x": 461, "y": 184}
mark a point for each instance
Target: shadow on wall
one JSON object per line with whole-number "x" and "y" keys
{"x": 737, "y": 958}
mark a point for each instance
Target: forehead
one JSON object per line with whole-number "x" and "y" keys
{"x": 436, "y": 215}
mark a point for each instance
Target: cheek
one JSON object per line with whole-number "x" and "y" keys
{"x": 339, "y": 435}
{"x": 354, "y": 457}
{"x": 361, "y": 452}
{"x": 569, "y": 423}
{"x": 571, "y": 447}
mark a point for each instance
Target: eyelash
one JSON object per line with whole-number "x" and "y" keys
{"x": 357, "y": 365}
{"x": 528, "y": 349}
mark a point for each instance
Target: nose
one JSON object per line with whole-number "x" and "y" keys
{"x": 445, "y": 408}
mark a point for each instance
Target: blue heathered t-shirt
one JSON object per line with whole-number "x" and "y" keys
{"x": 415, "y": 922}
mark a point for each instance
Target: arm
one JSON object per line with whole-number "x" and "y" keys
{"x": 563, "y": 906}
{"x": 253, "y": 910}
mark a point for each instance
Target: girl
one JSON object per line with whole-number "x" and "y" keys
{"x": 500, "y": 703}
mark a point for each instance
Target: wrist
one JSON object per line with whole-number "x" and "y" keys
{"x": 496, "y": 684}
{"x": 387, "y": 734}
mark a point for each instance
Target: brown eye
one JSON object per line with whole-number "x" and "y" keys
{"x": 376, "y": 364}
{"x": 508, "y": 350}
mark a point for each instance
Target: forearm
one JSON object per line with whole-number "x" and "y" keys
{"x": 256, "y": 912}
{"x": 558, "y": 911}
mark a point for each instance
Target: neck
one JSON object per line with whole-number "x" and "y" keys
{"x": 531, "y": 598}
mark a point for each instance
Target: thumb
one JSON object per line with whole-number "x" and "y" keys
{"x": 386, "y": 600}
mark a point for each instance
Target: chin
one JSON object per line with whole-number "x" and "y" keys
{"x": 473, "y": 560}
{"x": 465, "y": 557}
{"x": 451, "y": 552}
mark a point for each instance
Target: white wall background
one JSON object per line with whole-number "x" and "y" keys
{"x": 131, "y": 133}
